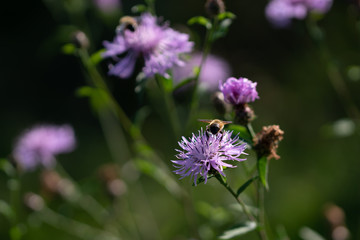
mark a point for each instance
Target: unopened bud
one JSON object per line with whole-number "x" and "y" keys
{"x": 80, "y": 40}
{"x": 219, "y": 103}
{"x": 33, "y": 201}
{"x": 109, "y": 176}
{"x": 267, "y": 141}
{"x": 243, "y": 114}
{"x": 214, "y": 7}
{"x": 116, "y": 187}
{"x": 50, "y": 183}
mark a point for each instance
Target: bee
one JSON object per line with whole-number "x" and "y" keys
{"x": 215, "y": 126}
{"x": 128, "y": 23}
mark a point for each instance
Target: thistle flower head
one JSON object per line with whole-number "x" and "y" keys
{"x": 267, "y": 141}
{"x": 239, "y": 91}
{"x": 280, "y": 12}
{"x": 206, "y": 153}
{"x": 159, "y": 45}
{"x": 39, "y": 145}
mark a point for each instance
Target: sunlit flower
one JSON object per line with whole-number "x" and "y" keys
{"x": 239, "y": 91}
{"x": 280, "y": 12}
{"x": 159, "y": 45}
{"x": 39, "y": 145}
{"x": 213, "y": 70}
{"x": 206, "y": 153}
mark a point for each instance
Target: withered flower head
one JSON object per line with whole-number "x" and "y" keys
{"x": 214, "y": 7}
{"x": 267, "y": 141}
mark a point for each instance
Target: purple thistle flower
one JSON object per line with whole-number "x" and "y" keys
{"x": 40, "y": 144}
{"x": 205, "y": 153}
{"x": 239, "y": 91}
{"x": 160, "y": 46}
{"x": 280, "y": 12}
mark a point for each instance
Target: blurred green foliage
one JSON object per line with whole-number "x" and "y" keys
{"x": 318, "y": 164}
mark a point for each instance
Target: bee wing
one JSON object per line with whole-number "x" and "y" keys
{"x": 205, "y": 120}
{"x": 226, "y": 122}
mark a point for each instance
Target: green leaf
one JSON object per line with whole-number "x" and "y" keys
{"x": 167, "y": 83}
{"x": 96, "y": 57}
{"x": 6, "y": 210}
{"x": 183, "y": 83}
{"x": 225, "y": 15}
{"x": 243, "y": 132}
{"x": 307, "y": 233}
{"x": 222, "y": 29}
{"x": 262, "y": 165}
{"x": 160, "y": 175}
{"x": 139, "y": 8}
{"x": 245, "y": 185}
{"x": 238, "y": 230}
{"x": 201, "y": 21}
{"x": 6, "y": 166}
{"x": 69, "y": 49}
{"x": 99, "y": 99}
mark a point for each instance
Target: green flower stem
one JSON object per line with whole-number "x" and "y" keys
{"x": 170, "y": 107}
{"x": 98, "y": 81}
{"x": 238, "y": 199}
{"x": 151, "y": 6}
{"x": 261, "y": 232}
{"x": 334, "y": 74}
{"x": 206, "y": 51}
{"x": 131, "y": 129}
{"x": 75, "y": 228}
{"x": 84, "y": 201}
{"x": 250, "y": 130}
{"x": 261, "y": 206}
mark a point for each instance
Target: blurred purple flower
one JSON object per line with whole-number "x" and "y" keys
{"x": 280, "y": 12}
{"x": 239, "y": 91}
{"x": 108, "y": 6}
{"x": 213, "y": 70}
{"x": 160, "y": 46}
{"x": 205, "y": 154}
{"x": 40, "y": 144}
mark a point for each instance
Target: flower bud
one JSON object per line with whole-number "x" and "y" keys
{"x": 219, "y": 103}
{"x": 214, "y": 7}
{"x": 109, "y": 176}
{"x": 80, "y": 40}
{"x": 267, "y": 140}
{"x": 50, "y": 183}
{"x": 33, "y": 201}
{"x": 243, "y": 114}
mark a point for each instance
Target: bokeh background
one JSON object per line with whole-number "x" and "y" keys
{"x": 319, "y": 163}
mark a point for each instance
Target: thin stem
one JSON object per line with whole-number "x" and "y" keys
{"x": 73, "y": 227}
{"x": 170, "y": 107}
{"x": 334, "y": 74}
{"x": 206, "y": 51}
{"x": 99, "y": 83}
{"x": 238, "y": 199}
{"x": 250, "y": 130}
{"x": 262, "y": 211}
